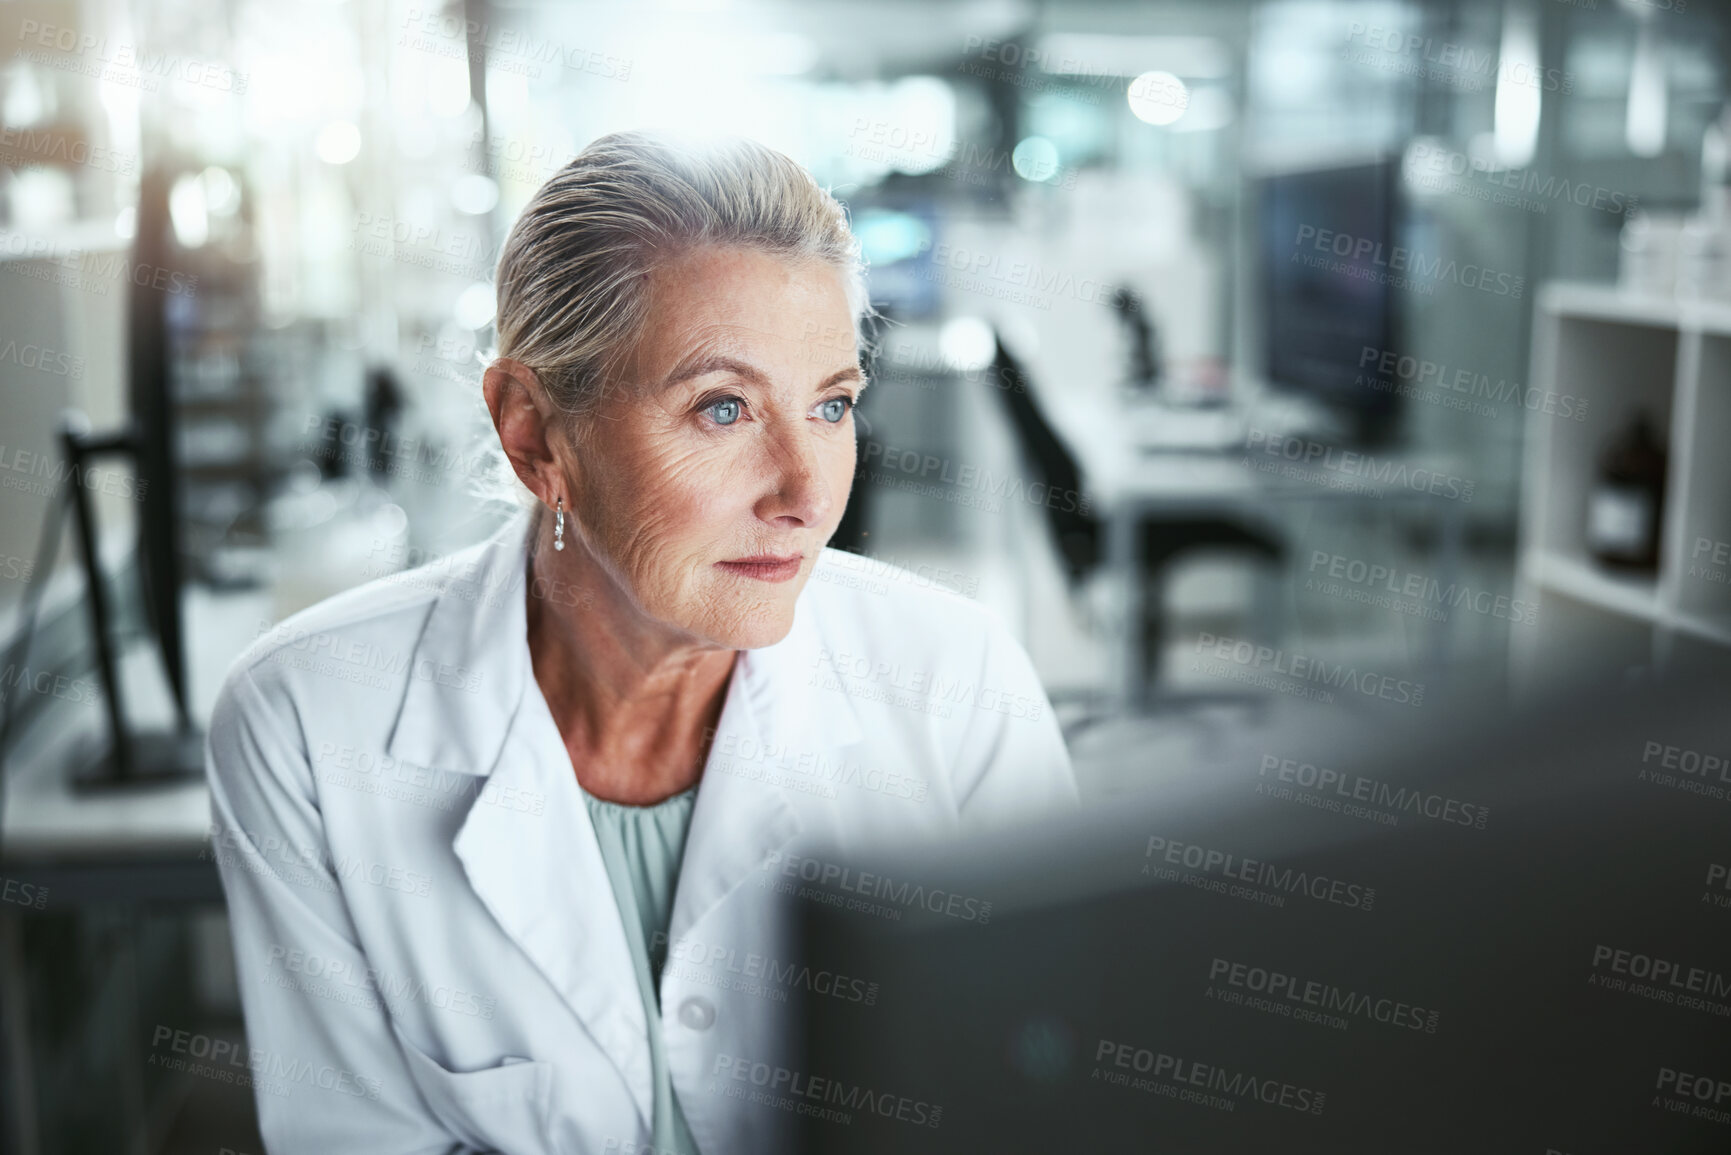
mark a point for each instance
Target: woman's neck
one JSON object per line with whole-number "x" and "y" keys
{"x": 635, "y": 705}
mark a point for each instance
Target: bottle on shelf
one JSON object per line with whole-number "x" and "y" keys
{"x": 1626, "y": 504}
{"x": 1704, "y": 248}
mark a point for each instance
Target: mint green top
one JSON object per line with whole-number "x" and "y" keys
{"x": 642, "y": 846}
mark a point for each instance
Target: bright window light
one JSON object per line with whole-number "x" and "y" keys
{"x": 1158, "y": 97}
{"x": 1648, "y": 112}
{"x": 1035, "y": 159}
{"x": 188, "y": 213}
{"x": 920, "y": 117}
{"x": 967, "y": 344}
{"x": 1519, "y": 84}
{"x": 338, "y": 142}
{"x": 474, "y": 194}
{"x": 475, "y": 305}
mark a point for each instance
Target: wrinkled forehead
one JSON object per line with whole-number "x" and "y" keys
{"x": 803, "y": 327}
{"x": 810, "y": 346}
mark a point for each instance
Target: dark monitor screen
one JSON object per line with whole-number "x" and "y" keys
{"x": 1327, "y": 239}
{"x": 1508, "y": 937}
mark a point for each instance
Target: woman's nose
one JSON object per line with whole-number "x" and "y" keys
{"x": 799, "y": 490}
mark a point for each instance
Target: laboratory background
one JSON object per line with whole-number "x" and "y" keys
{"x": 1269, "y": 367}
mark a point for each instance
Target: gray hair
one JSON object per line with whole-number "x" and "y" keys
{"x": 572, "y": 281}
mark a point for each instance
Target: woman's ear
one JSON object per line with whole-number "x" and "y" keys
{"x": 524, "y": 419}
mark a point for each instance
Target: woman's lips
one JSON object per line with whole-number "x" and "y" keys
{"x": 765, "y": 567}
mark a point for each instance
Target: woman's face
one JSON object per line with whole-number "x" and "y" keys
{"x": 708, "y": 489}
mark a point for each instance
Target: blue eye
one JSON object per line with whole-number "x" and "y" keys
{"x": 835, "y": 408}
{"x": 724, "y": 412}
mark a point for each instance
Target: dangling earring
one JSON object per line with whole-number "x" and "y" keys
{"x": 559, "y": 525}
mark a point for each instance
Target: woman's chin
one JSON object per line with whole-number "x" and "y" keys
{"x": 753, "y": 629}
{"x": 763, "y": 630}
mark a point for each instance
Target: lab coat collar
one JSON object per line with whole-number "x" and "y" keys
{"x": 466, "y": 680}
{"x": 784, "y": 683}
{"x": 776, "y": 708}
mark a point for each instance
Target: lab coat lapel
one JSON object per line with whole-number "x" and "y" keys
{"x": 737, "y": 822}
{"x": 542, "y": 876}
{"x": 772, "y": 709}
{"x": 527, "y": 845}
{"x": 465, "y": 677}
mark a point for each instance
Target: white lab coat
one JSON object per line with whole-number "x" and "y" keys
{"x": 429, "y": 952}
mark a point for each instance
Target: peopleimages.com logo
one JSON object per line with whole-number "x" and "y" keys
{"x": 1190, "y": 1080}
{"x": 815, "y": 1096}
{"x": 1451, "y": 62}
{"x": 1282, "y": 670}
{"x": 1368, "y": 258}
{"x": 1351, "y": 787}
{"x": 1274, "y": 878}
{"x": 1702, "y": 1096}
{"x": 1388, "y": 586}
{"x": 1373, "y": 473}
{"x": 1415, "y": 376}
{"x": 1236, "y": 982}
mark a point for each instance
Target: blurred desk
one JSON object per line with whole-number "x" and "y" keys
{"x": 1151, "y": 425}
{"x": 145, "y": 844}
{"x": 102, "y": 857}
{"x": 145, "y": 847}
{"x": 121, "y": 863}
{"x": 1133, "y": 477}
{"x": 139, "y": 845}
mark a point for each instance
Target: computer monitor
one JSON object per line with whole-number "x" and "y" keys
{"x": 1508, "y": 937}
{"x": 124, "y": 755}
{"x": 1326, "y": 239}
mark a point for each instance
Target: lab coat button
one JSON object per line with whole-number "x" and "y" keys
{"x": 697, "y": 1013}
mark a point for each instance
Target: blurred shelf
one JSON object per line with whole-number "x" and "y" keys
{"x": 1715, "y": 629}
{"x": 1584, "y": 581}
{"x": 1595, "y": 301}
{"x": 1619, "y": 353}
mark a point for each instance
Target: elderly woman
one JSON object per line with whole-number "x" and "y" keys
{"x": 502, "y": 845}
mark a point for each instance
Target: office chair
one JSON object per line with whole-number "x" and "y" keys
{"x": 1080, "y": 536}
